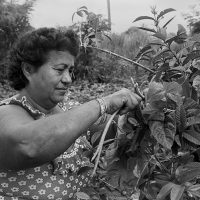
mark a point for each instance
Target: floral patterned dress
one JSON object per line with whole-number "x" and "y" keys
{"x": 59, "y": 179}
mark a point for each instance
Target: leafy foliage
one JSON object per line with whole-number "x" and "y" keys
{"x": 14, "y": 20}
{"x": 153, "y": 153}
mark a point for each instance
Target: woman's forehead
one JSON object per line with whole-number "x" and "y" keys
{"x": 57, "y": 56}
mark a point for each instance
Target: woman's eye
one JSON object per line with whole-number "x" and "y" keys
{"x": 59, "y": 70}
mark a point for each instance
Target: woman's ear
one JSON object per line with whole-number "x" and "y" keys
{"x": 27, "y": 69}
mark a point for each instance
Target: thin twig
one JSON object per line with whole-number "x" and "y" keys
{"x": 100, "y": 146}
{"x": 124, "y": 58}
{"x": 137, "y": 90}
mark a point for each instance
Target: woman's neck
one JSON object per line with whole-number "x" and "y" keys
{"x": 36, "y": 103}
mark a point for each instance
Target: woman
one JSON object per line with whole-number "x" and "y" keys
{"x": 37, "y": 126}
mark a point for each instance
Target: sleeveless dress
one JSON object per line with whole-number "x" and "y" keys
{"x": 59, "y": 179}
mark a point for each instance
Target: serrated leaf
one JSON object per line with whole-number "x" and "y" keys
{"x": 168, "y": 22}
{"x": 162, "y": 13}
{"x": 147, "y": 29}
{"x": 142, "y": 18}
{"x": 165, "y": 190}
{"x": 177, "y": 192}
{"x": 82, "y": 195}
{"x": 191, "y": 56}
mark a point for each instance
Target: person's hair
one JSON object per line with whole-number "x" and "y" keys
{"x": 33, "y": 47}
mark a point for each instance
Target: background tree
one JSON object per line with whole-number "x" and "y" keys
{"x": 14, "y": 20}
{"x": 192, "y": 17}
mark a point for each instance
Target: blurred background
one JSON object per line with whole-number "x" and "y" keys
{"x": 115, "y": 30}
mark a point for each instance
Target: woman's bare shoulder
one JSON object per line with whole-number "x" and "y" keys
{"x": 13, "y": 114}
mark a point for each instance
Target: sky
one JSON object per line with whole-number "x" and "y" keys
{"x": 52, "y": 13}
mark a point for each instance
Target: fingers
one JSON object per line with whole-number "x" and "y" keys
{"x": 125, "y": 100}
{"x": 132, "y": 100}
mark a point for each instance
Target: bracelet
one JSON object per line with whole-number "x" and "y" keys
{"x": 102, "y": 104}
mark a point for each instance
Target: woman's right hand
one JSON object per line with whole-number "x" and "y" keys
{"x": 124, "y": 100}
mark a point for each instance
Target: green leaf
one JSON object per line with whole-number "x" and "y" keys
{"x": 172, "y": 87}
{"x": 194, "y": 190}
{"x": 143, "y": 50}
{"x": 162, "y": 54}
{"x": 83, "y": 7}
{"x": 147, "y": 29}
{"x": 168, "y": 22}
{"x": 96, "y": 136}
{"x": 170, "y": 40}
{"x": 164, "y": 134}
{"x": 193, "y": 120}
{"x": 156, "y": 92}
{"x": 82, "y": 195}
{"x": 108, "y": 37}
{"x": 180, "y": 117}
{"x": 196, "y": 82}
{"x": 162, "y": 13}
{"x": 160, "y": 36}
{"x": 79, "y": 13}
{"x": 191, "y": 56}
{"x": 177, "y": 192}
{"x": 165, "y": 190}
{"x": 181, "y": 29}
{"x": 188, "y": 172}
{"x": 190, "y": 104}
{"x": 85, "y": 11}
{"x": 192, "y": 137}
{"x": 73, "y": 17}
{"x": 142, "y": 18}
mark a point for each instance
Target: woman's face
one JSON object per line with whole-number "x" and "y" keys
{"x": 49, "y": 83}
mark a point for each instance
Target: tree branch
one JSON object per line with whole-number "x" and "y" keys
{"x": 122, "y": 57}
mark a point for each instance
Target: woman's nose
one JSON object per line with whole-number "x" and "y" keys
{"x": 66, "y": 78}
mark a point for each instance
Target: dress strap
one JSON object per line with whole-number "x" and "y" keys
{"x": 22, "y": 101}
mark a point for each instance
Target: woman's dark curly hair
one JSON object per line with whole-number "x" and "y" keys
{"x": 32, "y": 48}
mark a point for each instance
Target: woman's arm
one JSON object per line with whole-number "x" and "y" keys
{"x": 25, "y": 142}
